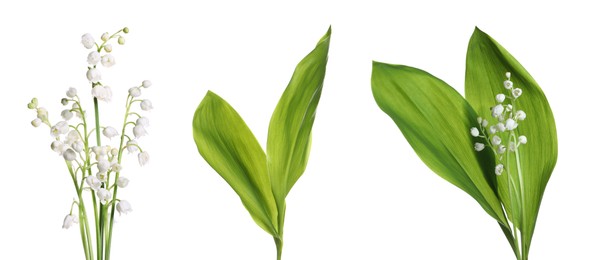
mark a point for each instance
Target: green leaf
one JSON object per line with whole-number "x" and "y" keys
{"x": 435, "y": 120}
{"x": 226, "y": 143}
{"x": 487, "y": 62}
{"x": 289, "y": 136}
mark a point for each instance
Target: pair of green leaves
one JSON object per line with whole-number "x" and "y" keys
{"x": 435, "y": 119}
{"x": 263, "y": 181}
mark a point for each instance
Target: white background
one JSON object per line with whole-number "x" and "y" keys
{"x": 364, "y": 195}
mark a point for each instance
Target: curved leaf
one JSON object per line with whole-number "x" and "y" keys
{"x": 487, "y": 62}
{"x": 289, "y": 136}
{"x": 227, "y": 144}
{"x": 435, "y": 120}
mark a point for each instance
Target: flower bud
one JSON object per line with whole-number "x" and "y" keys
{"x": 69, "y": 155}
{"x": 484, "y": 123}
{"x": 121, "y": 40}
{"x": 479, "y": 147}
{"x": 110, "y": 132}
{"x": 522, "y": 139}
{"x": 66, "y": 114}
{"x": 508, "y": 75}
{"x": 146, "y": 105}
{"x": 499, "y": 169}
{"x": 123, "y": 207}
{"x": 474, "y": 131}
{"x": 105, "y": 37}
{"x": 93, "y": 75}
{"x": 42, "y": 113}
{"x": 114, "y": 152}
{"x": 108, "y": 60}
{"x": 87, "y": 41}
{"x": 108, "y": 48}
{"x": 36, "y": 122}
{"x": 143, "y": 158}
{"x": 125, "y": 30}
{"x": 139, "y": 131}
{"x": 122, "y": 182}
{"x": 93, "y": 58}
{"x": 135, "y": 92}
{"x": 500, "y": 98}
{"x": 69, "y": 220}
{"x": 104, "y": 195}
{"x": 146, "y": 83}
{"x": 64, "y": 101}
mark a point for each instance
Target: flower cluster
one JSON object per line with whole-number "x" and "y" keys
{"x": 502, "y": 134}
{"x": 97, "y": 167}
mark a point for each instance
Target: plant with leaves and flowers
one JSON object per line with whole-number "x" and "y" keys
{"x": 96, "y": 167}
{"x": 485, "y": 156}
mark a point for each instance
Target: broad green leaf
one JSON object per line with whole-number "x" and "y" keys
{"x": 487, "y": 62}
{"x": 289, "y": 136}
{"x": 435, "y": 120}
{"x": 227, "y": 144}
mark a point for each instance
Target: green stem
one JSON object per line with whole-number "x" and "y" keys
{"x": 84, "y": 233}
{"x": 278, "y": 247}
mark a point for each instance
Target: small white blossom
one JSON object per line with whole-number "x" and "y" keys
{"x": 508, "y": 75}
{"x": 116, "y": 167}
{"x": 511, "y": 124}
{"x": 499, "y": 169}
{"x": 484, "y": 123}
{"x": 516, "y": 92}
{"x": 512, "y": 147}
{"x": 64, "y": 101}
{"x": 132, "y": 146}
{"x": 102, "y": 93}
{"x": 76, "y": 110}
{"x": 497, "y": 111}
{"x": 99, "y": 151}
{"x": 496, "y": 140}
{"x": 143, "y": 121}
{"x": 509, "y": 108}
{"x": 500, "y": 98}
{"x": 492, "y": 129}
{"x": 114, "y": 152}
{"x": 135, "y": 92}
{"x": 146, "y": 105}
{"x": 123, "y": 207}
{"x": 479, "y": 120}
{"x": 108, "y": 60}
{"x": 93, "y": 182}
{"x": 58, "y": 147}
{"x": 474, "y": 131}
{"x": 78, "y": 146}
{"x": 69, "y": 221}
{"x": 42, "y": 113}
{"x": 88, "y": 41}
{"x": 522, "y": 139}
{"x": 520, "y": 115}
{"x": 36, "y": 122}
{"x": 93, "y": 75}
{"x": 105, "y": 36}
{"x": 104, "y": 195}
{"x": 139, "y": 131}
{"x": 479, "y": 147}
{"x": 508, "y": 84}
{"x": 93, "y": 58}
{"x": 500, "y": 127}
{"x": 122, "y": 182}
{"x": 110, "y": 132}
{"x": 103, "y": 165}
{"x": 108, "y": 48}
{"x": 66, "y": 114}
{"x": 60, "y": 128}
{"x": 72, "y": 137}
{"x": 143, "y": 158}
{"x": 501, "y": 149}
{"x": 71, "y": 92}
{"x": 102, "y": 176}
{"x": 70, "y": 155}
{"x": 146, "y": 83}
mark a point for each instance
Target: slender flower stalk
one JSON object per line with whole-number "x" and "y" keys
{"x": 95, "y": 169}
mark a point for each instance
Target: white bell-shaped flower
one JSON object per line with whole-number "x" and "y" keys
{"x": 36, "y": 122}
{"x": 479, "y": 147}
{"x": 71, "y": 93}
{"x": 522, "y": 139}
{"x": 58, "y": 147}
{"x": 508, "y": 84}
{"x": 499, "y": 169}
{"x": 520, "y": 115}
{"x": 69, "y": 155}
{"x": 116, "y": 167}
{"x": 105, "y": 36}
{"x": 78, "y": 146}
{"x": 516, "y": 92}
{"x": 110, "y": 132}
{"x": 512, "y": 147}
{"x": 42, "y": 113}
{"x": 72, "y": 137}
{"x": 501, "y": 149}
{"x": 143, "y": 158}
{"x": 93, "y": 75}
{"x": 103, "y": 165}
{"x": 104, "y": 195}
{"x": 500, "y": 127}
{"x": 135, "y": 92}
{"x": 474, "y": 131}
{"x": 497, "y": 110}
{"x": 492, "y": 129}
{"x": 143, "y": 121}
{"x": 108, "y": 60}
{"x": 93, "y": 58}
{"x": 511, "y": 124}
{"x": 66, "y": 114}
{"x": 496, "y": 140}
{"x": 93, "y": 182}
{"x": 132, "y": 146}
{"x": 484, "y": 123}
{"x": 108, "y": 48}
{"x": 102, "y": 93}
{"x": 122, "y": 182}
{"x": 123, "y": 207}
{"x": 88, "y": 41}
{"x": 146, "y": 83}
{"x": 139, "y": 131}
{"x": 146, "y": 105}
{"x": 500, "y": 98}
{"x": 69, "y": 221}
{"x": 60, "y": 128}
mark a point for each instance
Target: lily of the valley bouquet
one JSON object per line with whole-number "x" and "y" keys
{"x": 93, "y": 152}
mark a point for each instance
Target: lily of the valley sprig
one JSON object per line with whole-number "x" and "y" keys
{"x": 263, "y": 181}
{"x": 95, "y": 166}
{"x": 483, "y": 144}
